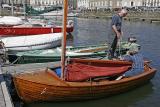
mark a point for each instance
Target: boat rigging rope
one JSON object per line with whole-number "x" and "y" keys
{"x": 16, "y": 60}
{"x": 119, "y": 47}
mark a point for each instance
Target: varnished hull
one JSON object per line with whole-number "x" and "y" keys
{"x": 43, "y": 85}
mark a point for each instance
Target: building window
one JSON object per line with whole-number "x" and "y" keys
{"x": 132, "y": 3}
{"x": 110, "y": 3}
{"x": 106, "y": 3}
{"x": 118, "y": 4}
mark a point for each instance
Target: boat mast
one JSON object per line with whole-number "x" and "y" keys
{"x": 12, "y": 8}
{"x": 63, "y": 55}
{"x": 24, "y": 9}
{"x": 0, "y": 7}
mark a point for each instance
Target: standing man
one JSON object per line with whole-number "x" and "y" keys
{"x": 116, "y": 25}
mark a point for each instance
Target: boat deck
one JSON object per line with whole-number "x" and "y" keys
{"x": 20, "y": 68}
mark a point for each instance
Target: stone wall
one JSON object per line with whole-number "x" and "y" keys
{"x": 142, "y": 15}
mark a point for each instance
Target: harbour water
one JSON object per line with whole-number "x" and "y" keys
{"x": 96, "y": 31}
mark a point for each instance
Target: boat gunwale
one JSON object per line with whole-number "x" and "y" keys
{"x": 95, "y": 83}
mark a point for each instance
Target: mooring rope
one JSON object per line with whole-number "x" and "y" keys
{"x": 119, "y": 49}
{"x": 16, "y": 60}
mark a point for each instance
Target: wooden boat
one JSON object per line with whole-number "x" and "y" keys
{"x": 81, "y": 79}
{"x": 45, "y": 85}
{"x": 51, "y": 55}
{"x": 24, "y": 43}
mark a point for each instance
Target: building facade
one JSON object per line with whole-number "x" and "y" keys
{"x": 87, "y": 4}
{"x": 83, "y": 4}
{"x": 98, "y": 4}
{"x": 45, "y": 2}
{"x": 51, "y": 2}
{"x": 38, "y": 2}
{"x": 131, "y": 3}
{"x": 145, "y": 3}
{"x": 15, "y": 2}
{"x": 151, "y": 3}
